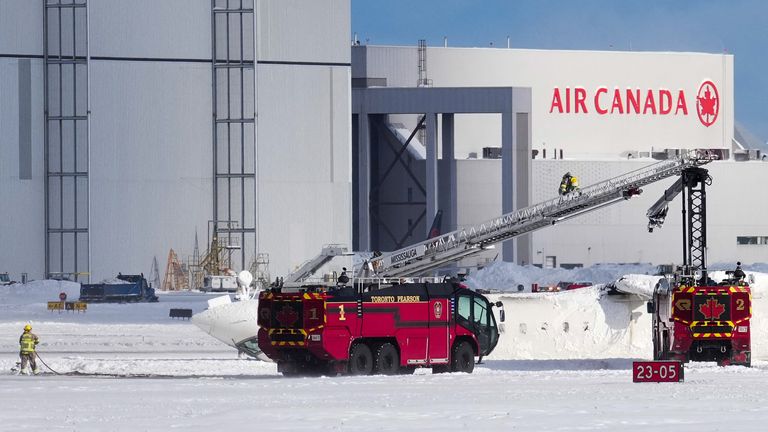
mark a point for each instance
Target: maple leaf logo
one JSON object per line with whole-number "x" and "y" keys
{"x": 287, "y": 316}
{"x": 712, "y": 309}
{"x": 707, "y": 103}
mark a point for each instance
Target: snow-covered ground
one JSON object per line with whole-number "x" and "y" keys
{"x": 140, "y": 370}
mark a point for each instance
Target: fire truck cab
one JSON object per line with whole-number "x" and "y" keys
{"x": 376, "y": 326}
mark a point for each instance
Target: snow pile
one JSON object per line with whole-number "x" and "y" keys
{"x": 640, "y": 285}
{"x": 113, "y": 281}
{"x": 37, "y": 292}
{"x": 505, "y": 277}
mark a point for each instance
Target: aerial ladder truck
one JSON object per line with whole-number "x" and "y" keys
{"x": 389, "y": 317}
{"x": 693, "y": 317}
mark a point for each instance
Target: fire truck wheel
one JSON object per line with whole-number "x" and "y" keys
{"x": 438, "y": 369}
{"x": 747, "y": 363}
{"x": 289, "y": 369}
{"x": 664, "y": 349}
{"x": 387, "y": 359}
{"x": 463, "y": 359}
{"x": 360, "y": 360}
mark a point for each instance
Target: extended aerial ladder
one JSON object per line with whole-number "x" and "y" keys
{"x": 429, "y": 255}
{"x": 693, "y": 317}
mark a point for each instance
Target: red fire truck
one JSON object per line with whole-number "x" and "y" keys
{"x": 376, "y": 326}
{"x": 702, "y": 323}
{"x": 695, "y": 318}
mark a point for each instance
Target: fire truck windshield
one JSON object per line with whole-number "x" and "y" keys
{"x": 474, "y": 313}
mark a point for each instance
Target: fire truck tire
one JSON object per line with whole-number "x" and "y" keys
{"x": 387, "y": 359}
{"x": 438, "y": 369}
{"x": 664, "y": 351}
{"x": 360, "y": 359}
{"x": 289, "y": 369}
{"x": 747, "y": 363}
{"x": 463, "y": 359}
{"x": 656, "y": 350}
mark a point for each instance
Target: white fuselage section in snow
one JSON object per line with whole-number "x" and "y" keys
{"x": 233, "y": 323}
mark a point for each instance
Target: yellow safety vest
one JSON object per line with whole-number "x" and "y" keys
{"x": 28, "y": 342}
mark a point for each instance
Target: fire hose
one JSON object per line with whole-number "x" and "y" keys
{"x": 44, "y": 363}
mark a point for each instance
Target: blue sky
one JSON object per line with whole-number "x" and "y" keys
{"x": 739, "y": 27}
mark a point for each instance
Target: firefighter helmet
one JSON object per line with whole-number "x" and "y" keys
{"x": 27, "y": 327}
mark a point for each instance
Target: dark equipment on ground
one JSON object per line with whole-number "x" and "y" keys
{"x": 135, "y": 289}
{"x": 180, "y": 313}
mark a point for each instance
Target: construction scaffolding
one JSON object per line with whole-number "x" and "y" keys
{"x": 175, "y": 276}
{"x": 223, "y": 241}
{"x": 259, "y": 269}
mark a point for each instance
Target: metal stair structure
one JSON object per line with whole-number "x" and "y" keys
{"x": 421, "y": 258}
{"x": 307, "y": 269}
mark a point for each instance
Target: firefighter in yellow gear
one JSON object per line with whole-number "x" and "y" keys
{"x": 568, "y": 184}
{"x": 28, "y": 341}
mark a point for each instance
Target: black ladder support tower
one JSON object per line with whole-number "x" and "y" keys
{"x": 694, "y": 212}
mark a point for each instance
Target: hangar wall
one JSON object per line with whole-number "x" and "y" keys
{"x": 151, "y": 171}
{"x": 22, "y": 232}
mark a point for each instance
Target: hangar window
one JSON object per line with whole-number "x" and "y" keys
{"x": 752, "y": 240}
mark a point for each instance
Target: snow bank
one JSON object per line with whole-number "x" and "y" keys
{"x": 580, "y": 324}
{"x": 505, "y": 277}
{"x": 37, "y": 291}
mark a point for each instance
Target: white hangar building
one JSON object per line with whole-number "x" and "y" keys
{"x": 127, "y": 126}
{"x": 597, "y": 114}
